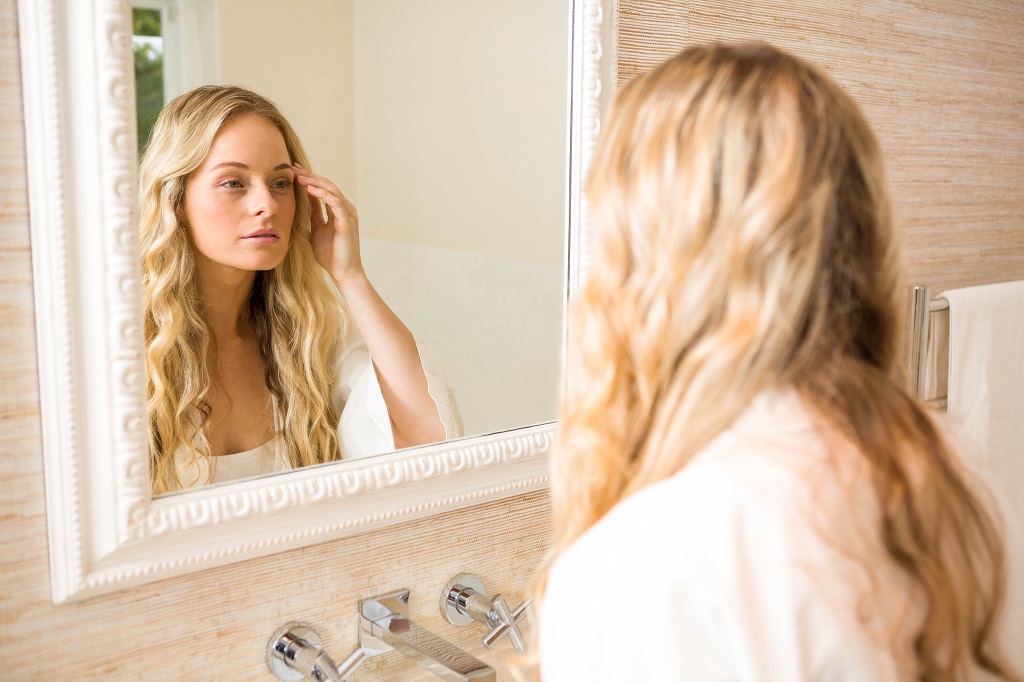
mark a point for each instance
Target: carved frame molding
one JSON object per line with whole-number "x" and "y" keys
{"x": 106, "y": 532}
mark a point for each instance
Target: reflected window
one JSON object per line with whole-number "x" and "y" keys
{"x": 148, "y": 51}
{"x": 167, "y": 39}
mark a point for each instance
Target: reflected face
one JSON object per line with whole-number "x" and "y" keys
{"x": 240, "y": 203}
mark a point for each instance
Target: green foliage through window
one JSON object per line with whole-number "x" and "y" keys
{"x": 147, "y": 45}
{"x": 146, "y": 22}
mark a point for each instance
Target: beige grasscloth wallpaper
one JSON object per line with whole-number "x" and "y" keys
{"x": 941, "y": 82}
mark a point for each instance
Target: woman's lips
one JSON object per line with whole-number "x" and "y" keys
{"x": 262, "y": 238}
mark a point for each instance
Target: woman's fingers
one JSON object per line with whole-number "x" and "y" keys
{"x": 320, "y": 189}
{"x": 310, "y": 179}
{"x": 339, "y": 209}
{"x": 335, "y": 237}
{"x": 316, "y": 212}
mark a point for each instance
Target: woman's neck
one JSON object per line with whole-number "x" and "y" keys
{"x": 225, "y": 297}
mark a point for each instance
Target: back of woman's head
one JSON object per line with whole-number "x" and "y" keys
{"x": 744, "y": 242}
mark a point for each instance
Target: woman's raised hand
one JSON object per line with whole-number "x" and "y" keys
{"x": 336, "y": 236}
{"x": 403, "y": 384}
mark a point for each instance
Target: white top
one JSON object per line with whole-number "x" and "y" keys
{"x": 364, "y": 426}
{"x": 722, "y": 573}
{"x": 261, "y": 460}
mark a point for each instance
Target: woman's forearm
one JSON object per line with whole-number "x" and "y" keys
{"x": 414, "y": 416}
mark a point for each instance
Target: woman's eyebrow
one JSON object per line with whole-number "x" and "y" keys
{"x": 238, "y": 164}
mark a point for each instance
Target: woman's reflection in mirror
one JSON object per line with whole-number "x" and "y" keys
{"x": 267, "y": 347}
{"x": 744, "y": 489}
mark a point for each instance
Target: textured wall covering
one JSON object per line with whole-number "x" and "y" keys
{"x": 212, "y": 625}
{"x": 942, "y": 83}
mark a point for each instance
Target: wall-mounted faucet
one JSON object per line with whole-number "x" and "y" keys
{"x": 464, "y": 600}
{"x": 295, "y": 653}
{"x": 383, "y": 626}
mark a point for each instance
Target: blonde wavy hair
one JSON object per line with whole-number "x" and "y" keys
{"x": 298, "y": 318}
{"x": 744, "y": 241}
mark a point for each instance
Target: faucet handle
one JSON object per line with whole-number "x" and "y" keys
{"x": 465, "y": 600}
{"x": 508, "y": 623}
{"x": 295, "y": 653}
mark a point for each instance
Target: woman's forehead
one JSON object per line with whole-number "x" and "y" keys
{"x": 250, "y": 140}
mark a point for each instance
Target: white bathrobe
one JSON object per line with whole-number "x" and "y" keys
{"x": 737, "y": 569}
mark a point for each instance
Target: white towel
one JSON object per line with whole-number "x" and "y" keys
{"x": 986, "y": 377}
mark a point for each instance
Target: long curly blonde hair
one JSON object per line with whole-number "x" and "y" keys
{"x": 298, "y": 318}
{"x": 744, "y": 241}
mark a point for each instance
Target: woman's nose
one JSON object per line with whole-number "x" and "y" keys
{"x": 262, "y": 201}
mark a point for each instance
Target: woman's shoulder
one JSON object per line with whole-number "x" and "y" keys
{"x": 691, "y": 513}
{"x": 728, "y": 552}
{"x": 754, "y": 488}
{"x": 682, "y": 551}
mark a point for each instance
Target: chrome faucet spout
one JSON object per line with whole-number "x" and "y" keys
{"x": 383, "y": 626}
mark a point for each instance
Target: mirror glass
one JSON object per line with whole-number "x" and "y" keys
{"x": 444, "y": 122}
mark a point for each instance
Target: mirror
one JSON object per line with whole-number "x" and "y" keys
{"x": 444, "y": 122}
{"x": 106, "y": 532}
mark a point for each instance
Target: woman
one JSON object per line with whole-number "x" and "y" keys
{"x": 744, "y": 490}
{"x": 253, "y": 363}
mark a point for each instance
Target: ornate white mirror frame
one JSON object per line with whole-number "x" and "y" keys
{"x": 106, "y": 532}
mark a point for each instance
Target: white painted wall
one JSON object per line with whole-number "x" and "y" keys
{"x": 494, "y": 322}
{"x": 461, "y": 112}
